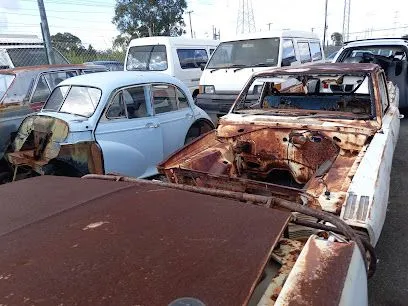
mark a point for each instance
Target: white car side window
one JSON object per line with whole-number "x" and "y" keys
{"x": 164, "y": 98}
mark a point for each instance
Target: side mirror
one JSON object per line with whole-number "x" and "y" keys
{"x": 202, "y": 66}
{"x": 288, "y": 61}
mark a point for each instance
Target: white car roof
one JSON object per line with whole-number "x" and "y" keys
{"x": 154, "y": 40}
{"x": 113, "y": 79}
{"x": 376, "y": 42}
{"x": 269, "y": 34}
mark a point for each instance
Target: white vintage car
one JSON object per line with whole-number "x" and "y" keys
{"x": 115, "y": 122}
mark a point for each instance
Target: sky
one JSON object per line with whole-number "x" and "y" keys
{"x": 90, "y": 20}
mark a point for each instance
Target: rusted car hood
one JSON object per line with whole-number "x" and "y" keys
{"x": 310, "y": 161}
{"x": 75, "y": 242}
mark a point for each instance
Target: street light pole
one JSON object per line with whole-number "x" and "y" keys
{"x": 46, "y": 32}
{"x": 325, "y": 25}
{"x": 191, "y": 28}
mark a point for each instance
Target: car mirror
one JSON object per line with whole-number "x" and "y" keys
{"x": 202, "y": 66}
{"x": 288, "y": 61}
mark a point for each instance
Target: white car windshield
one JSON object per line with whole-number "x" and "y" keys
{"x": 319, "y": 95}
{"x": 77, "y": 100}
{"x": 5, "y": 82}
{"x": 246, "y": 53}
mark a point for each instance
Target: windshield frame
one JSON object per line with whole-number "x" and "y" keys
{"x": 240, "y": 65}
{"x": 298, "y": 113}
{"x": 70, "y": 86}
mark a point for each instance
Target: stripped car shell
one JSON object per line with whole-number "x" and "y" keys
{"x": 334, "y": 158}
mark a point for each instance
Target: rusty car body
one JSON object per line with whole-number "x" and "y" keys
{"x": 109, "y": 240}
{"x": 112, "y": 122}
{"x": 322, "y": 136}
{"x": 24, "y": 90}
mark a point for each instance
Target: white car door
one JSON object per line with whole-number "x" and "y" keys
{"x": 174, "y": 115}
{"x": 386, "y": 141}
{"x": 129, "y": 135}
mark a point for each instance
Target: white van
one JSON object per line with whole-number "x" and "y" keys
{"x": 234, "y": 61}
{"x": 177, "y": 56}
{"x": 25, "y": 50}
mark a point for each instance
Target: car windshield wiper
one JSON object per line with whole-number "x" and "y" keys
{"x": 238, "y": 67}
{"x": 262, "y": 65}
{"x": 218, "y": 68}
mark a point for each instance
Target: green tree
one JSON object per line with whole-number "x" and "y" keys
{"x": 121, "y": 42}
{"x": 141, "y": 18}
{"x": 67, "y": 42}
{"x": 337, "y": 39}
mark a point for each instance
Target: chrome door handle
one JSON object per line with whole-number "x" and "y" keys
{"x": 152, "y": 125}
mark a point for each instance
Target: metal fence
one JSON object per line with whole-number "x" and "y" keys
{"x": 34, "y": 53}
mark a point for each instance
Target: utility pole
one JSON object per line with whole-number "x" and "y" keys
{"x": 46, "y": 32}
{"x": 325, "y": 25}
{"x": 346, "y": 20}
{"x": 191, "y": 28}
{"x": 269, "y": 25}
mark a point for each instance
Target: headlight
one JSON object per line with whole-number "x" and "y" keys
{"x": 209, "y": 89}
{"x": 257, "y": 89}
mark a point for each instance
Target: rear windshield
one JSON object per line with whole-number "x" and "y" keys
{"x": 32, "y": 57}
{"x": 142, "y": 58}
{"x": 246, "y": 53}
{"x": 5, "y": 81}
{"x": 76, "y": 100}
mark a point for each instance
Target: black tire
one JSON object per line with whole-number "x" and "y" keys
{"x": 58, "y": 168}
{"x": 5, "y": 177}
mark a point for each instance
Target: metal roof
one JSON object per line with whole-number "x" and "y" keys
{"x": 73, "y": 241}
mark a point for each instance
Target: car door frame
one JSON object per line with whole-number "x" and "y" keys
{"x": 186, "y": 114}
{"x": 154, "y": 127}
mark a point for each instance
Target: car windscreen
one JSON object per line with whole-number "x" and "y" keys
{"x": 142, "y": 58}
{"x": 246, "y": 53}
{"x": 5, "y": 82}
{"x": 32, "y": 57}
{"x": 316, "y": 95}
{"x": 368, "y": 54}
{"x": 77, "y": 100}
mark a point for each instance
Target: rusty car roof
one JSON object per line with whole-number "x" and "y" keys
{"x": 45, "y": 68}
{"x": 78, "y": 242}
{"x": 323, "y": 68}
